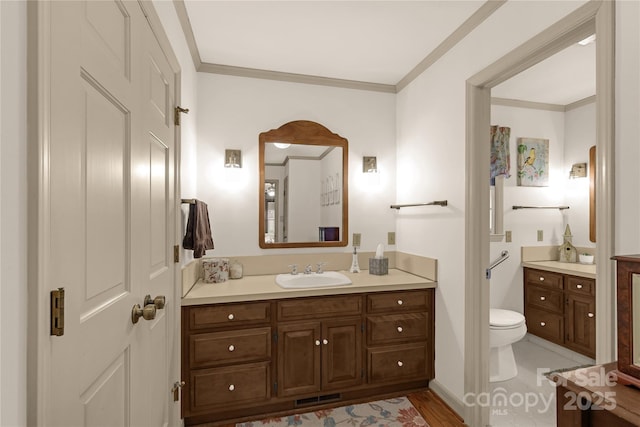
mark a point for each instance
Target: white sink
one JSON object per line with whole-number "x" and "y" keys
{"x": 313, "y": 280}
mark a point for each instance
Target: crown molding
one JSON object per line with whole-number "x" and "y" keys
{"x": 580, "y": 103}
{"x": 506, "y": 102}
{"x": 187, "y": 29}
{"x": 293, "y": 78}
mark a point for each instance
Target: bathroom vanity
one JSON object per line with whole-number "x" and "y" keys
{"x": 251, "y": 349}
{"x": 559, "y": 304}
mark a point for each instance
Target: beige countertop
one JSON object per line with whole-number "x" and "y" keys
{"x": 253, "y": 288}
{"x": 573, "y": 268}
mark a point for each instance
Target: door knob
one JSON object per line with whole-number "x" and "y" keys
{"x": 147, "y": 313}
{"x": 158, "y": 301}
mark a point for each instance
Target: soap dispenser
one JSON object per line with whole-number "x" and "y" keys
{"x": 355, "y": 267}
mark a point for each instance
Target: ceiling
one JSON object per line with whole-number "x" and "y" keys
{"x": 377, "y": 42}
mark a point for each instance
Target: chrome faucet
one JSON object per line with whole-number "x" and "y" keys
{"x": 307, "y": 269}
{"x": 320, "y": 265}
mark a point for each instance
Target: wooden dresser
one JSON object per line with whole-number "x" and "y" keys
{"x": 248, "y": 360}
{"x": 592, "y": 397}
{"x": 561, "y": 308}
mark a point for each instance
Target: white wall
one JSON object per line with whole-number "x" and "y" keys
{"x": 570, "y": 135}
{"x": 233, "y": 111}
{"x": 188, "y": 99}
{"x": 580, "y": 133}
{"x": 627, "y": 129}
{"x": 431, "y": 158}
{"x": 13, "y": 213}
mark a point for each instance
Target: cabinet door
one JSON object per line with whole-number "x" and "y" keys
{"x": 299, "y": 349}
{"x": 341, "y": 353}
{"x": 580, "y": 324}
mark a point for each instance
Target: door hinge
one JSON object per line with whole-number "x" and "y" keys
{"x": 57, "y": 312}
{"x": 176, "y": 117}
{"x": 176, "y": 390}
{"x": 361, "y": 373}
{"x": 176, "y": 253}
{"x": 362, "y": 327}
{"x": 275, "y": 337}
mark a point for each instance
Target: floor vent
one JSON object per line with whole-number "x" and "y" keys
{"x": 318, "y": 399}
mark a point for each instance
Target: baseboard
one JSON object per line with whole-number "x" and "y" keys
{"x": 453, "y": 402}
{"x": 565, "y": 352}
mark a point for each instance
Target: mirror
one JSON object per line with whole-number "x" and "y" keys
{"x": 303, "y": 194}
{"x": 628, "y": 314}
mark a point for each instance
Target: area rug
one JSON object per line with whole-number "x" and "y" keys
{"x": 398, "y": 412}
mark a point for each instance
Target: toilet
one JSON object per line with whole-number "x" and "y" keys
{"x": 505, "y": 328}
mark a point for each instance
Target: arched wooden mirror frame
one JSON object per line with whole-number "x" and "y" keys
{"x": 304, "y": 132}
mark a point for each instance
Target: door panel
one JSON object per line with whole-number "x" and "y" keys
{"x": 111, "y": 195}
{"x": 298, "y": 358}
{"x": 341, "y": 353}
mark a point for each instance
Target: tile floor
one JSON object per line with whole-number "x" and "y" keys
{"x": 528, "y": 400}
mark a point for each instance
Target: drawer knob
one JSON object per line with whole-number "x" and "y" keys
{"x": 590, "y": 314}
{"x": 232, "y": 387}
{"x": 400, "y": 363}
{"x": 579, "y": 286}
{"x": 232, "y": 347}
{"x": 231, "y": 316}
{"x": 400, "y": 302}
{"x": 399, "y": 328}
{"x": 542, "y": 324}
{"x": 541, "y": 279}
{"x": 317, "y": 342}
{"x": 325, "y": 341}
{"x": 543, "y": 298}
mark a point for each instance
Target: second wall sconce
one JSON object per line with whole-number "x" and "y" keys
{"x": 369, "y": 164}
{"x": 578, "y": 170}
{"x": 232, "y": 158}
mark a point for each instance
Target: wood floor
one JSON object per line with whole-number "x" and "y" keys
{"x": 432, "y": 409}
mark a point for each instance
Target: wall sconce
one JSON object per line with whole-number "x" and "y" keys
{"x": 369, "y": 164}
{"x": 232, "y": 158}
{"x": 578, "y": 170}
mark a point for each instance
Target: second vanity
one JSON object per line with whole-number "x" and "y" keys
{"x": 251, "y": 349}
{"x": 559, "y": 303}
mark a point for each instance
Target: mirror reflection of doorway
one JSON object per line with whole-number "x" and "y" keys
{"x": 271, "y": 201}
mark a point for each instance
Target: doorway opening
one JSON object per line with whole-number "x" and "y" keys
{"x": 594, "y": 17}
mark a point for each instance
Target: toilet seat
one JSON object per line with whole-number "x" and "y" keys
{"x": 505, "y": 319}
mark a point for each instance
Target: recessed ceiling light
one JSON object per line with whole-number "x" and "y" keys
{"x": 590, "y": 39}
{"x": 281, "y": 145}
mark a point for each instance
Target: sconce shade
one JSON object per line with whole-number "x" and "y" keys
{"x": 232, "y": 158}
{"x": 578, "y": 170}
{"x": 369, "y": 164}
{"x": 282, "y": 145}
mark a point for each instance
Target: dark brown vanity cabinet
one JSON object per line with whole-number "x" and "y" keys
{"x": 561, "y": 308}
{"x": 319, "y": 345}
{"x": 253, "y": 359}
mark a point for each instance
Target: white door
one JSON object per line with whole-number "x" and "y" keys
{"x": 110, "y": 194}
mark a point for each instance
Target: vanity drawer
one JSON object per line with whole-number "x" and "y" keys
{"x": 229, "y": 386}
{"x": 399, "y": 301}
{"x": 580, "y": 285}
{"x": 203, "y": 317}
{"x": 324, "y": 307}
{"x": 394, "y": 328}
{"x": 545, "y": 298}
{"x": 543, "y": 278}
{"x": 544, "y": 324}
{"x": 220, "y": 348}
{"x": 388, "y": 364}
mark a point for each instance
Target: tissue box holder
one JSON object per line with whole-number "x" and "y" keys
{"x": 379, "y": 266}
